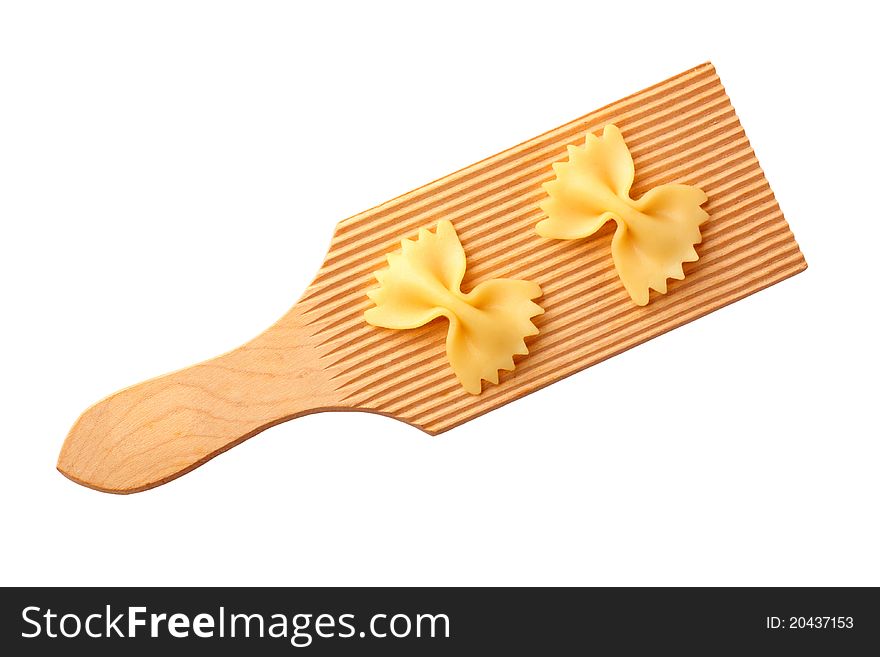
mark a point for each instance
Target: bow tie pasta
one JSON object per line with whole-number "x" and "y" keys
{"x": 487, "y": 326}
{"x": 655, "y": 234}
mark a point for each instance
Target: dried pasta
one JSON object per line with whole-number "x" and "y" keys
{"x": 487, "y": 326}
{"x": 655, "y": 234}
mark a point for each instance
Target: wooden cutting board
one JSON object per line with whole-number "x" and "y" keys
{"x": 322, "y": 356}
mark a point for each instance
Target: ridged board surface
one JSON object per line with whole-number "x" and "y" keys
{"x": 681, "y": 130}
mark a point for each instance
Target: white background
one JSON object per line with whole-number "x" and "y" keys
{"x": 170, "y": 175}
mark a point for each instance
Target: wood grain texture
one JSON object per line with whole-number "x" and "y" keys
{"x": 155, "y": 431}
{"x": 323, "y": 356}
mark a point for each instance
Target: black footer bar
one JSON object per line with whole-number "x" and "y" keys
{"x": 440, "y": 621}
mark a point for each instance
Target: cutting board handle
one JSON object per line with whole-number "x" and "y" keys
{"x": 150, "y": 433}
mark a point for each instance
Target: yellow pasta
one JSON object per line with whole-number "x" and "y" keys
{"x": 655, "y": 234}
{"x": 487, "y": 326}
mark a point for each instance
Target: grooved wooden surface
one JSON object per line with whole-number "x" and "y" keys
{"x": 323, "y": 356}
{"x": 681, "y": 130}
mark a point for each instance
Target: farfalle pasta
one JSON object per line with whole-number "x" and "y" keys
{"x": 487, "y": 326}
{"x": 655, "y": 234}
